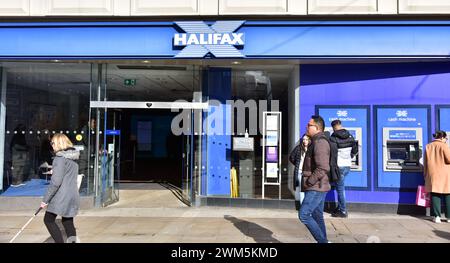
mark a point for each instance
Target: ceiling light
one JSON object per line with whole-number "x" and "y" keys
{"x": 236, "y": 62}
{"x": 146, "y": 61}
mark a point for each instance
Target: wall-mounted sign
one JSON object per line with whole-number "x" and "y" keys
{"x": 112, "y": 132}
{"x": 129, "y": 82}
{"x": 218, "y": 39}
{"x": 243, "y": 144}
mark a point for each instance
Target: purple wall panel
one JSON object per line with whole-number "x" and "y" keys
{"x": 374, "y": 84}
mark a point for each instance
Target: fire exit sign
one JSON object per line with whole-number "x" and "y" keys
{"x": 129, "y": 82}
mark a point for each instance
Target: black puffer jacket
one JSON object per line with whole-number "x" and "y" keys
{"x": 295, "y": 159}
{"x": 343, "y": 139}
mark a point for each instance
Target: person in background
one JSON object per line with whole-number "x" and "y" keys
{"x": 437, "y": 174}
{"x": 347, "y": 149}
{"x": 62, "y": 197}
{"x": 297, "y": 158}
{"x": 315, "y": 182}
{"x": 19, "y": 156}
{"x": 46, "y": 151}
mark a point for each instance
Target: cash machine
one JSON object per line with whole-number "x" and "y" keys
{"x": 402, "y": 149}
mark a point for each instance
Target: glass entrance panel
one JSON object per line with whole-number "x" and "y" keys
{"x": 105, "y": 139}
{"x": 152, "y": 150}
{"x": 188, "y": 162}
{"x": 109, "y": 157}
{"x": 40, "y": 100}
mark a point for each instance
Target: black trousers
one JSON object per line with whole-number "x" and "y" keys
{"x": 53, "y": 229}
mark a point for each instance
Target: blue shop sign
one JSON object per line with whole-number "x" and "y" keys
{"x": 112, "y": 132}
{"x": 200, "y": 39}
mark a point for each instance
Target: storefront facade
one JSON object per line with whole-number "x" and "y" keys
{"x": 386, "y": 80}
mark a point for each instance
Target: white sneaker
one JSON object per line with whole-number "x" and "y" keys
{"x": 437, "y": 219}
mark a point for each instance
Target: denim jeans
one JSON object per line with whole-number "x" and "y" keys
{"x": 311, "y": 214}
{"x": 340, "y": 188}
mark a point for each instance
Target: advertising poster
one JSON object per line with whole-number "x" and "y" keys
{"x": 272, "y": 170}
{"x": 272, "y": 154}
{"x": 272, "y": 138}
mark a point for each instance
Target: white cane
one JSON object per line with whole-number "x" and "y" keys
{"x": 29, "y": 221}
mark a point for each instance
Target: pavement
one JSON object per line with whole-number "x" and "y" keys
{"x": 155, "y": 216}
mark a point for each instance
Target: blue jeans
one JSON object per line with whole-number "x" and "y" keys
{"x": 311, "y": 214}
{"x": 340, "y": 188}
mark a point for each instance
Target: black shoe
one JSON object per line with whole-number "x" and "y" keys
{"x": 340, "y": 214}
{"x": 336, "y": 210}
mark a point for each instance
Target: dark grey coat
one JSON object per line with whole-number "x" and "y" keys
{"x": 62, "y": 195}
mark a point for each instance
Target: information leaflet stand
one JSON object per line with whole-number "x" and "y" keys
{"x": 271, "y": 158}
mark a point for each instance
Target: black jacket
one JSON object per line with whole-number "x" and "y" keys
{"x": 343, "y": 139}
{"x": 295, "y": 158}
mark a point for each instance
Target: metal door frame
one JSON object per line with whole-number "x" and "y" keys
{"x": 150, "y": 105}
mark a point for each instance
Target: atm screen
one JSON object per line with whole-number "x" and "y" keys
{"x": 397, "y": 154}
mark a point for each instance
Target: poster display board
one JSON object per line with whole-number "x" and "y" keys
{"x": 271, "y": 143}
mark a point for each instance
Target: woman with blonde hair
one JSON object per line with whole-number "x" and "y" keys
{"x": 62, "y": 196}
{"x": 437, "y": 174}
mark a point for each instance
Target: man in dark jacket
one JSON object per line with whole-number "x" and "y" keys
{"x": 347, "y": 149}
{"x": 315, "y": 182}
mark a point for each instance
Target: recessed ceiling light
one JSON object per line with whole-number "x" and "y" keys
{"x": 236, "y": 62}
{"x": 146, "y": 61}
{"x": 56, "y": 60}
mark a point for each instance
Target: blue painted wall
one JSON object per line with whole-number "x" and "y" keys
{"x": 354, "y": 118}
{"x": 444, "y": 118}
{"x": 374, "y": 84}
{"x": 417, "y": 117}
{"x": 217, "y": 86}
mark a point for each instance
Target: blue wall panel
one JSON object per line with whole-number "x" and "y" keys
{"x": 354, "y": 117}
{"x": 218, "y": 87}
{"x": 386, "y": 117}
{"x": 444, "y": 118}
{"x": 374, "y": 84}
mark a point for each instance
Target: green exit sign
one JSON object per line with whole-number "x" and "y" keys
{"x": 129, "y": 82}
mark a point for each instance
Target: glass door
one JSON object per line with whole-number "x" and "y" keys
{"x": 109, "y": 157}
{"x": 188, "y": 164}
